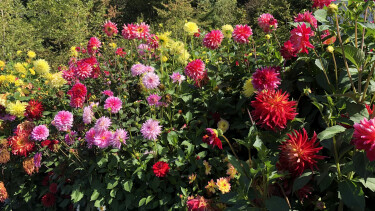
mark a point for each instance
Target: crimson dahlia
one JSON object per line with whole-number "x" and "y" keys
{"x": 34, "y": 110}
{"x": 364, "y": 137}
{"x": 49, "y": 200}
{"x": 212, "y": 138}
{"x": 300, "y": 38}
{"x": 160, "y": 168}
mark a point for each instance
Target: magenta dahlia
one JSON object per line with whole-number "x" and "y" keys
{"x": 267, "y": 22}
{"x": 153, "y": 99}
{"x": 129, "y": 31}
{"x": 364, "y": 137}
{"x": 322, "y": 3}
{"x": 93, "y": 45}
{"x": 266, "y": 78}
{"x": 213, "y": 39}
{"x": 242, "y": 33}
{"x": 287, "y": 50}
{"x": 151, "y": 80}
{"x": 307, "y": 17}
{"x": 142, "y": 31}
{"x": 110, "y": 28}
{"x": 114, "y": 104}
{"x": 40, "y": 133}
{"x": 63, "y": 120}
{"x": 300, "y": 38}
{"x": 195, "y": 69}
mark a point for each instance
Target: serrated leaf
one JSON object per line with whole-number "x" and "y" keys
{"x": 330, "y": 132}
{"x": 352, "y": 195}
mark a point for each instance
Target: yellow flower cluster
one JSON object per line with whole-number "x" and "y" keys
{"x": 191, "y": 28}
{"x": 227, "y": 31}
{"x": 41, "y": 66}
{"x": 17, "y": 109}
{"x": 55, "y": 80}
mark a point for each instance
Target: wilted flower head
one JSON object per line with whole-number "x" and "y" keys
{"x": 299, "y": 153}
{"x": 287, "y": 50}
{"x": 272, "y": 110}
{"x": 267, "y": 22}
{"x": 70, "y": 137}
{"x": 3, "y": 192}
{"x": 241, "y": 34}
{"x": 87, "y": 115}
{"x": 266, "y": 78}
{"x": 151, "y": 129}
{"x": 223, "y": 125}
{"x": 37, "y": 160}
{"x": 248, "y": 88}
{"x": 328, "y": 41}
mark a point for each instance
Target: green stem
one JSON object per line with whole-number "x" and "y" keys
{"x": 324, "y": 70}
{"x": 367, "y": 83}
{"x": 334, "y": 62}
{"x": 231, "y": 147}
{"x": 336, "y": 158}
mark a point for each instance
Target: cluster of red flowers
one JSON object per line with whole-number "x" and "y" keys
{"x": 77, "y": 95}
{"x": 52, "y": 145}
{"x": 20, "y": 142}
{"x": 298, "y": 43}
{"x": 198, "y": 203}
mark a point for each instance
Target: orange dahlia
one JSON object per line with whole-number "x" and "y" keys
{"x": 272, "y": 110}
{"x": 28, "y": 165}
{"x": 3, "y": 192}
{"x": 4, "y": 155}
{"x": 299, "y": 153}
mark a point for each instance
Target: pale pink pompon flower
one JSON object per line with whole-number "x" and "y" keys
{"x": 119, "y": 137}
{"x": 151, "y": 80}
{"x": 40, "y": 133}
{"x": 151, "y": 129}
{"x": 137, "y": 69}
{"x": 102, "y": 124}
{"x": 87, "y": 115}
{"x": 114, "y": 104}
{"x": 63, "y": 121}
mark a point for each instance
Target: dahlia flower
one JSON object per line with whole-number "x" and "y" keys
{"x": 197, "y": 204}
{"x": 177, "y": 77}
{"x": 83, "y": 70}
{"x": 227, "y": 31}
{"x": 102, "y": 138}
{"x": 53, "y": 188}
{"x": 307, "y": 17}
{"x": 63, "y": 120}
{"x": 120, "y": 52}
{"x": 142, "y": 30}
{"x": 49, "y": 200}
{"x": 93, "y": 45}
{"x": 287, "y": 50}
{"x": 20, "y": 68}
{"x": 213, "y": 39}
{"x": 151, "y": 80}
{"x": 149, "y": 69}
{"x": 21, "y": 145}
{"x": 37, "y": 160}
{"x": 266, "y": 78}
{"x": 153, "y": 99}
{"x": 272, "y": 110}
{"x": 211, "y": 186}
{"x": 4, "y": 154}
{"x": 300, "y": 38}
{"x": 137, "y": 69}
{"x": 207, "y": 167}
{"x": 142, "y": 49}
{"x": 119, "y": 137}
{"x": 231, "y": 172}
{"x": 3, "y": 192}
{"x": 70, "y": 137}
{"x": 151, "y": 129}
{"x": 223, "y": 125}
{"x": 40, "y": 133}
{"x": 160, "y": 168}
{"x": 87, "y": 115}
{"x": 41, "y": 66}
{"x": 78, "y": 91}
{"x": 102, "y": 124}
{"x": 113, "y": 103}
{"x": 109, "y": 93}
{"x": 17, "y": 109}
{"x": 28, "y": 165}
{"x": 191, "y": 28}
{"x": 129, "y": 31}
{"x": 242, "y": 33}
{"x": 110, "y": 28}
{"x": 212, "y": 138}
{"x": 299, "y": 153}
{"x": 322, "y": 3}
{"x": 153, "y": 41}
{"x": 34, "y": 110}
{"x": 90, "y": 137}
{"x": 31, "y": 54}
{"x": 248, "y": 88}
{"x": 195, "y": 69}
{"x": 267, "y": 22}
{"x": 364, "y": 137}
{"x": 223, "y": 185}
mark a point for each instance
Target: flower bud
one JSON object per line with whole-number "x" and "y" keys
{"x": 330, "y": 49}
{"x": 332, "y": 9}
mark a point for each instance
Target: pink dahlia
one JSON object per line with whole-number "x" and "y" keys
{"x": 149, "y": 69}
{"x": 177, "y": 78}
{"x": 137, "y": 69}
{"x": 322, "y": 3}
{"x": 151, "y": 129}
{"x": 307, "y": 17}
{"x": 266, "y": 78}
{"x": 129, "y": 31}
{"x": 113, "y": 103}
{"x": 109, "y": 93}
{"x": 213, "y": 39}
{"x": 102, "y": 138}
{"x": 153, "y": 99}
{"x": 151, "y": 80}
{"x": 37, "y": 159}
{"x": 195, "y": 69}
{"x": 288, "y": 51}
{"x": 119, "y": 137}
{"x": 40, "y": 133}
{"x": 328, "y": 41}
{"x": 299, "y": 153}
{"x": 153, "y": 41}
{"x": 273, "y": 110}
{"x": 300, "y": 38}
{"x": 142, "y": 49}
{"x": 83, "y": 69}
{"x": 70, "y": 137}
{"x": 110, "y": 28}
{"x": 90, "y": 137}
{"x": 63, "y": 120}
{"x": 242, "y": 33}
{"x": 267, "y": 22}
{"x": 102, "y": 124}
{"x": 87, "y": 115}
{"x": 93, "y": 45}
{"x": 364, "y": 137}
{"x": 142, "y": 30}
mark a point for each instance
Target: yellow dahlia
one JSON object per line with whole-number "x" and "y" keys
{"x": 207, "y": 167}
{"x": 223, "y": 125}
{"x": 223, "y": 185}
{"x": 248, "y": 88}
{"x": 19, "y": 53}
{"x": 211, "y": 186}
{"x": 191, "y": 28}
{"x": 227, "y": 31}
{"x": 177, "y": 47}
{"x": 20, "y": 68}
{"x": 56, "y": 80}
{"x": 17, "y": 109}
{"x": 3, "y": 99}
{"x": 164, "y": 39}
{"x": 41, "y": 66}
{"x": 10, "y": 78}
{"x": 31, "y": 54}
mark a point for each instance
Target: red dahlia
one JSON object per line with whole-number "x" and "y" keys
{"x": 364, "y": 137}
{"x": 21, "y": 145}
{"x": 195, "y": 69}
{"x": 160, "y": 168}
{"x": 34, "y": 110}
{"x": 300, "y": 38}
{"x": 212, "y": 138}
{"x": 272, "y": 110}
{"x": 213, "y": 39}
{"x": 266, "y": 78}
{"x": 288, "y": 51}
{"x": 53, "y": 188}
{"x": 322, "y": 3}
{"x": 299, "y": 153}
{"x": 78, "y": 90}
{"x": 48, "y": 200}
{"x": 93, "y": 45}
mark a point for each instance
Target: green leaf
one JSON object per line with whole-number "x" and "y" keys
{"x": 276, "y": 204}
{"x": 95, "y": 194}
{"x": 128, "y": 185}
{"x": 142, "y": 202}
{"x": 321, "y": 15}
{"x": 111, "y": 185}
{"x": 188, "y": 117}
{"x": 319, "y": 64}
{"x": 330, "y": 132}
{"x": 369, "y": 183}
{"x": 356, "y": 56}
{"x": 302, "y": 181}
{"x": 172, "y": 138}
{"x": 352, "y": 195}
{"x": 76, "y": 195}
